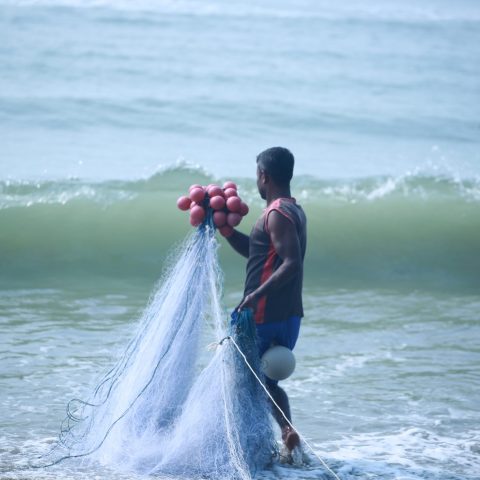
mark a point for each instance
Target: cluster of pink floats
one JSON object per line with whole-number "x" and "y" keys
{"x": 228, "y": 208}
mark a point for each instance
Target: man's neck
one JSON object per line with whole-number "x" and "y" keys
{"x": 275, "y": 194}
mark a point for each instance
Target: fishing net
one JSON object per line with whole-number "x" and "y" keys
{"x": 153, "y": 413}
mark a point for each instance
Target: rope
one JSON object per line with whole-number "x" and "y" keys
{"x": 276, "y": 405}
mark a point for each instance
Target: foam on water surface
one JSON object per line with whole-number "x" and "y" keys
{"x": 363, "y": 92}
{"x": 385, "y": 388}
{"x": 420, "y": 228}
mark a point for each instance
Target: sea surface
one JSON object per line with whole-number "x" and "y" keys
{"x": 109, "y": 110}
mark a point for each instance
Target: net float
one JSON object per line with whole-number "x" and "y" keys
{"x": 217, "y": 202}
{"x": 197, "y": 215}
{"x": 230, "y": 192}
{"x": 234, "y": 204}
{"x": 233, "y": 219}
{"x": 215, "y": 191}
{"x": 219, "y": 219}
{"x": 278, "y": 362}
{"x": 230, "y": 185}
{"x": 183, "y": 203}
{"x": 197, "y": 194}
{"x": 244, "y": 209}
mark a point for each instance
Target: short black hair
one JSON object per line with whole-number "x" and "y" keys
{"x": 278, "y": 162}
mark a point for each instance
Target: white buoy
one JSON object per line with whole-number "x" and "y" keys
{"x": 278, "y": 362}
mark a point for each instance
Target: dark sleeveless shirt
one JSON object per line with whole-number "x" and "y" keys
{"x": 285, "y": 302}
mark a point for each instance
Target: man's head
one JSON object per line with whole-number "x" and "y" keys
{"x": 274, "y": 169}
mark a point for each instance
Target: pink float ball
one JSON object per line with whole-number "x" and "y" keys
{"x": 233, "y": 219}
{"x": 230, "y": 192}
{"x": 217, "y": 202}
{"x": 197, "y": 215}
{"x": 183, "y": 203}
{"x": 233, "y": 204}
{"x": 226, "y": 231}
{"x": 215, "y": 191}
{"x": 196, "y": 185}
{"x": 197, "y": 194}
{"x": 219, "y": 218}
{"x": 243, "y": 209}
{"x": 229, "y": 184}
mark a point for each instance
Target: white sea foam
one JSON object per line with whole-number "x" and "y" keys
{"x": 411, "y": 453}
{"x": 355, "y": 394}
{"x": 425, "y": 182}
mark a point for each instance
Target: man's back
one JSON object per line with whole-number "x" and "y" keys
{"x": 263, "y": 261}
{"x": 273, "y": 288}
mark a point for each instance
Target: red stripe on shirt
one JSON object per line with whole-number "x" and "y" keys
{"x": 276, "y": 205}
{"x": 266, "y": 274}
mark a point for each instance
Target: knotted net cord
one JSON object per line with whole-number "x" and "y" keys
{"x": 152, "y": 413}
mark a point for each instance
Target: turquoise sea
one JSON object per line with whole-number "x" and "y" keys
{"x": 110, "y": 109}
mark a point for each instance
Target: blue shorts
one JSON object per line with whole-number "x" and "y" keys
{"x": 283, "y": 333}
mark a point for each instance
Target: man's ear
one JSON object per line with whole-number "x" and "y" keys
{"x": 266, "y": 178}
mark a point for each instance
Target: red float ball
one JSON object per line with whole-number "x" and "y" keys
{"x": 197, "y": 194}
{"x": 229, "y": 184}
{"x": 183, "y": 203}
{"x": 233, "y": 219}
{"x": 217, "y": 202}
{"x": 243, "y": 209}
{"x": 197, "y": 215}
{"x": 215, "y": 191}
{"x": 233, "y": 204}
{"x": 230, "y": 192}
{"x": 219, "y": 218}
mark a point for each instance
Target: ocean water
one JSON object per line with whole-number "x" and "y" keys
{"x": 115, "y": 88}
{"x": 109, "y": 110}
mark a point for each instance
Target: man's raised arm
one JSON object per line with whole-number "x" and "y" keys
{"x": 239, "y": 242}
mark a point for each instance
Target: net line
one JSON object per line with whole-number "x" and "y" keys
{"x": 152, "y": 412}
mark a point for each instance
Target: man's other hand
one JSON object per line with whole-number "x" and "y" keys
{"x": 250, "y": 301}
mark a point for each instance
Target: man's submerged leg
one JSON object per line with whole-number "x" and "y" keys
{"x": 289, "y": 435}
{"x": 286, "y": 334}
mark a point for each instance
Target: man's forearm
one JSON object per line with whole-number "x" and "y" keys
{"x": 288, "y": 270}
{"x": 280, "y": 277}
{"x": 239, "y": 242}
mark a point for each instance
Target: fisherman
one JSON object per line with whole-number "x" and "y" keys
{"x": 275, "y": 251}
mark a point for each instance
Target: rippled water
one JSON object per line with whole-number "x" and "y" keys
{"x": 386, "y": 386}
{"x": 112, "y": 88}
{"x": 377, "y": 100}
